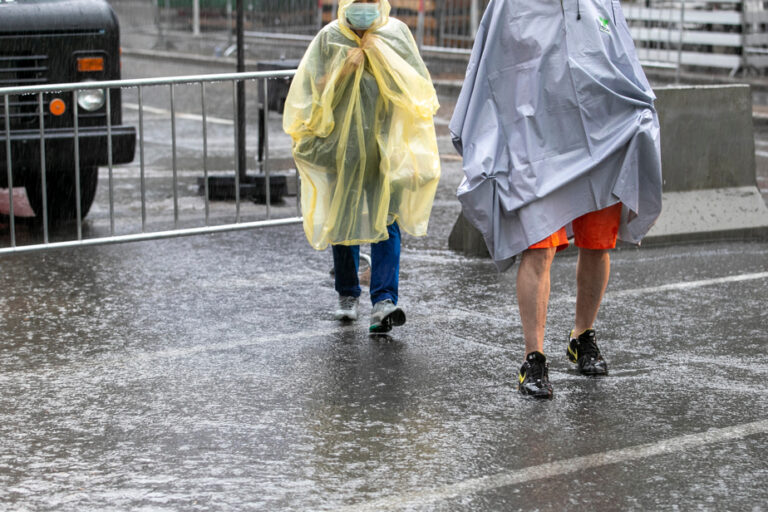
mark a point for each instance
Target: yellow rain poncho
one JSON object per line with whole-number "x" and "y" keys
{"x": 360, "y": 115}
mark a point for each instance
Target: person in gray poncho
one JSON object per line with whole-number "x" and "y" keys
{"x": 560, "y": 138}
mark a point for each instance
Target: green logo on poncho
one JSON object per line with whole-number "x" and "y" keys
{"x": 603, "y": 24}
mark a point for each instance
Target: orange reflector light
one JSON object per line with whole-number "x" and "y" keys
{"x": 57, "y": 107}
{"x": 85, "y": 64}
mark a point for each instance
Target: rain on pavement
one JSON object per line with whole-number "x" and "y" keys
{"x": 205, "y": 373}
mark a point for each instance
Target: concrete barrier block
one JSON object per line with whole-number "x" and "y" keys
{"x": 707, "y": 137}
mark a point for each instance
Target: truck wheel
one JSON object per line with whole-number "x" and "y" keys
{"x": 61, "y": 193}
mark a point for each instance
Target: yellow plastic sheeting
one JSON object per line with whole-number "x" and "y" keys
{"x": 360, "y": 114}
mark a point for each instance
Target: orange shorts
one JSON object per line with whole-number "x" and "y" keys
{"x": 594, "y": 230}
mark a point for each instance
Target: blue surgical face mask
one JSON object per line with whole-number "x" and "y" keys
{"x": 362, "y": 16}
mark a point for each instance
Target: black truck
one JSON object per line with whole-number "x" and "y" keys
{"x": 52, "y": 42}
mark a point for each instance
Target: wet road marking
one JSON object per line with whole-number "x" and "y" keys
{"x": 763, "y": 154}
{"x": 688, "y": 285}
{"x": 180, "y": 115}
{"x": 563, "y": 467}
{"x": 230, "y": 345}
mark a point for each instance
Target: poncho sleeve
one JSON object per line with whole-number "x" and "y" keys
{"x": 308, "y": 109}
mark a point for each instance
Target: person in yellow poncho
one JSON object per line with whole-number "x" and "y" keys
{"x": 360, "y": 112}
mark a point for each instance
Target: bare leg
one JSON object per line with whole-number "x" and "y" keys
{"x": 592, "y": 273}
{"x": 533, "y": 295}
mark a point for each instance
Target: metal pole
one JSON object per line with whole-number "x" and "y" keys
{"x": 173, "y": 160}
{"x": 474, "y": 15}
{"x": 229, "y": 22}
{"x": 240, "y": 105}
{"x": 157, "y": 235}
{"x": 298, "y": 193}
{"x": 142, "y": 173}
{"x": 76, "y": 127}
{"x": 9, "y": 168}
{"x": 43, "y": 177}
{"x": 159, "y": 24}
{"x": 744, "y": 26}
{"x": 146, "y": 82}
{"x": 167, "y": 9}
{"x": 680, "y": 43}
{"x": 205, "y": 155}
{"x": 420, "y": 27}
{"x": 237, "y": 155}
{"x": 668, "y": 44}
{"x": 109, "y": 162}
{"x": 267, "y": 184}
{"x": 196, "y": 17}
{"x": 319, "y": 14}
{"x": 334, "y": 9}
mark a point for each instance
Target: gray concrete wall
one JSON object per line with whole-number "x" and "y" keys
{"x": 707, "y": 139}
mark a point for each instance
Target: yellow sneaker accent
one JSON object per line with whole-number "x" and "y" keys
{"x": 521, "y": 377}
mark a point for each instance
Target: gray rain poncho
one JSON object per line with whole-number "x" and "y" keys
{"x": 555, "y": 120}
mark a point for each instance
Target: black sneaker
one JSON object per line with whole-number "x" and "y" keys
{"x": 584, "y": 352}
{"x": 533, "y": 379}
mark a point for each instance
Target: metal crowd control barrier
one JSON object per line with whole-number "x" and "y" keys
{"x": 140, "y": 84}
{"x": 727, "y": 34}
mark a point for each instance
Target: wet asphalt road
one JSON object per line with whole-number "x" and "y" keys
{"x": 206, "y": 374}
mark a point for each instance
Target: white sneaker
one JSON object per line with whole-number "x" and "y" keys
{"x": 386, "y": 315}
{"x": 347, "y": 310}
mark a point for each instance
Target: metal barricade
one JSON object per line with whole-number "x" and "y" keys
{"x": 729, "y": 34}
{"x": 295, "y": 16}
{"x": 725, "y": 34}
{"x": 203, "y": 83}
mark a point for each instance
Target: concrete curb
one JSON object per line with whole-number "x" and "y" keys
{"x": 711, "y": 214}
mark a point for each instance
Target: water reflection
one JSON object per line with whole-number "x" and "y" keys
{"x": 371, "y": 431}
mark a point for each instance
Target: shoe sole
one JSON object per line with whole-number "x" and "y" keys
{"x": 345, "y": 318}
{"x": 582, "y": 372}
{"x": 394, "y": 319}
{"x": 590, "y": 374}
{"x": 538, "y": 396}
{"x": 594, "y": 374}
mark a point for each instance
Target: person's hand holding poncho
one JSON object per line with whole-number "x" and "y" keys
{"x": 360, "y": 114}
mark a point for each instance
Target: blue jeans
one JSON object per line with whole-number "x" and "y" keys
{"x": 385, "y": 268}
